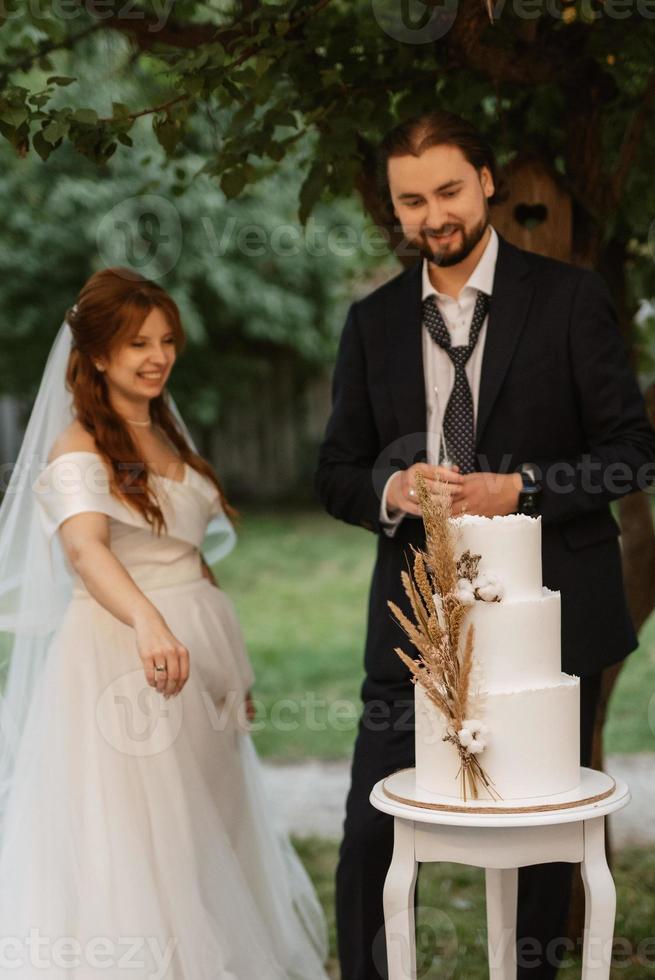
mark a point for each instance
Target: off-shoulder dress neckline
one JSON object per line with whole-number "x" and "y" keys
{"x": 158, "y": 476}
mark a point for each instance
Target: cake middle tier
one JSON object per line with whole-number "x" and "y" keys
{"x": 517, "y": 644}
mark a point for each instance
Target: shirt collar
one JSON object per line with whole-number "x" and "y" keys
{"x": 481, "y": 278}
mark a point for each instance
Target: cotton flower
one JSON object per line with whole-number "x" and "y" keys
{"x": 465, "y": 737}
{"x": 465, "y": 592}
{"x": 471, "y": 735}
{"x": 475, "y": 726}
{"x": 487, "y": 588}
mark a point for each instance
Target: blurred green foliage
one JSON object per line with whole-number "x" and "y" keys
{"x": 251, "y": 283}
{"x": 304, "y": 89}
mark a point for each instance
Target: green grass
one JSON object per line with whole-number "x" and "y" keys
{"x": 630, "y": 726}
{"x": 300, "y": 583}
{"x": 451, "y": 934}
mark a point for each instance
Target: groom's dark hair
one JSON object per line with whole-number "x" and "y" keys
{"x": 437, "y": 128}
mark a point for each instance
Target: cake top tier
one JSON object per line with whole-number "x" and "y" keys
{"x": 510, "y": 550}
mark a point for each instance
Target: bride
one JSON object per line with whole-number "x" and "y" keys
{"x": 135, "y": 839}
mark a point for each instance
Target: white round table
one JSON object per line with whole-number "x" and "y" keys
{"x": 429, "y": 828}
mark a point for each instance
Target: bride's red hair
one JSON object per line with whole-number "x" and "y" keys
{"x": 110, "y": 310}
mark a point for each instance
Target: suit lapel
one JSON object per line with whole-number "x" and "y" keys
{"x": 405, "y": 354}
{"x": 510, "y": 300}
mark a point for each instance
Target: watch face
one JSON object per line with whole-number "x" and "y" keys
{"x": 529, "y": 500}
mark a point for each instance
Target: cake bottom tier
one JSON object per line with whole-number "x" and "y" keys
{"x": 533, "y": 744}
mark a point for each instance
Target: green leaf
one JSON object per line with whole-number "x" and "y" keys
{"x": 55, "y": 131}
{"x": 107, "y": 152}
{"x": 232, "y": 183}
{"x": 264, "y": 87}
{"x": 38, "y": 100}
{"x": 233, "y": 90}
{"x": 311, "y": 190}
{"x": 275, "y": 151}
{"x": 194, "y": 84}
{"x": 53, "y": 27}
{"x": 61, "y": 80}
{"x": 86, "y": 116}
{"x": 168, "y": 133}
{"x": 285, "y": 119}
{"x": 14, "y": 115}
{"x": 42, "y": 147}
{"x": 242, "y": 116}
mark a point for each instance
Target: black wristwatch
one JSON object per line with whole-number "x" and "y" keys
{"x": 530, "y": 494}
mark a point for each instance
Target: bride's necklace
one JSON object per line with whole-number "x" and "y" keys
{"x": 144, "y": 424}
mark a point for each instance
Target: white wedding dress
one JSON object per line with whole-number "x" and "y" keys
{"x": 137, "y": 841}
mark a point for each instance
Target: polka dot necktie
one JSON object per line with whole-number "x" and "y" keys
{"x": 458, "y": 429}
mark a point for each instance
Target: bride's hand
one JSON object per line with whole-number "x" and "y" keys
{"x": 157, "y": 646}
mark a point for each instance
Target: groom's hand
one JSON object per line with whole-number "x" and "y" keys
{"x": 402, "y": 494}
{"x": 486, "y": 494}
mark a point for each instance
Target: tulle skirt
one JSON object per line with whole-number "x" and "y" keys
{"x": 138, "y": 841}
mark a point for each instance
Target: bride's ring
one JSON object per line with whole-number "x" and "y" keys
{"x": 163, "y": 667}
{"x": 412, "y": 492}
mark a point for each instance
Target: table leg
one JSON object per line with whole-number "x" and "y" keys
{"x": 502, "y": 895}
{"x": 600, "y": 903}
{"x": 399, "y": 891}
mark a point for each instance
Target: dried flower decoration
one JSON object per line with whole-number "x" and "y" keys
{"x": 467, "y": 566}
{"x": 440, "y": 590}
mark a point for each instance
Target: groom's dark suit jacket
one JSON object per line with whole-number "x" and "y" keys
{"x": 556, "y": 390}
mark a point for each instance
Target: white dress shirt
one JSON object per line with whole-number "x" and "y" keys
{"x": 438, "y": 369}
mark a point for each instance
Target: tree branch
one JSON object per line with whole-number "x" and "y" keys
{"x": 244, "y": 56}
{"x": 42, "y": 50}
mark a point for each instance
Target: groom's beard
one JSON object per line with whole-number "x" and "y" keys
{"x": 449, "y": 255}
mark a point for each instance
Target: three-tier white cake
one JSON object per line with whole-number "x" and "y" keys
{"x": 529, "y": 707}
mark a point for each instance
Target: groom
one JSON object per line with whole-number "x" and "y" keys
{"x": 510, "y": 364}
